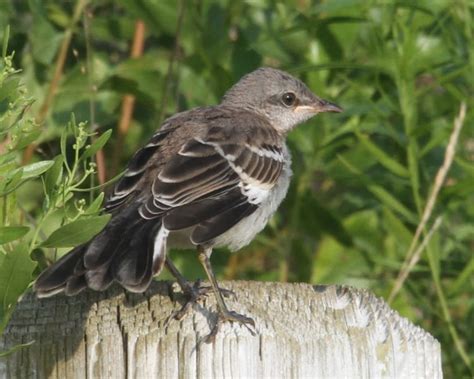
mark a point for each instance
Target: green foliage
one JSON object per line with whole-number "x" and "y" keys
{"x": 65, "y": 217}
{"x": 76, "y": 232}
{"x": 16, "y": 269}
{"x": 361, "y": 178}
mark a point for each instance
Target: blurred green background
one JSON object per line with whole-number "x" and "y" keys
{"x": 400, "y": 70}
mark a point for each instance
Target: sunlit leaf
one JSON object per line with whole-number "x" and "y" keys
{"x": 97, "y": 145}
{"x": 16, "y": 268}
{"x": 12, "y": 233}
{"x": 76, "y": 232}
{"x": 95, "y": 206}
{"x": 33, "y": 170}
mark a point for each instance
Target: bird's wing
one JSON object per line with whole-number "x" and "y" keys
{"x": 128, "y": 187}
{"x": 212, "y": 182}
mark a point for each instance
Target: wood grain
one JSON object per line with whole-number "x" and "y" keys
{"x": 301, "y": 331}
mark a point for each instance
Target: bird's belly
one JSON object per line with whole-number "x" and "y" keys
{"x": 245, "y": 231}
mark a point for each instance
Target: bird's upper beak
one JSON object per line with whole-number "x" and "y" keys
{"x": 319, "y": 106}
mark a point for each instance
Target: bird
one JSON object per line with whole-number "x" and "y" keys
{"x": 210, "y": 177}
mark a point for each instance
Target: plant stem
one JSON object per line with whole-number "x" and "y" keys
{"x": 58, "y": 70}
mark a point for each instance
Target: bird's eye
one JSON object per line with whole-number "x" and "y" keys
{"x": 288, "y": 99}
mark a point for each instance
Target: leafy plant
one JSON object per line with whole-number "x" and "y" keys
{"x": 63, "y": 220}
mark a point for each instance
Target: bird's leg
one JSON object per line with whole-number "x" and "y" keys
{"x": 192, "y": 292}
{"x": 224, "y": 314}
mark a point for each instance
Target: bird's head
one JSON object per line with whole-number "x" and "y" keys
{"x": 275, "y": 94}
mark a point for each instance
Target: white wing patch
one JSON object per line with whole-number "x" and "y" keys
{"x": 277, "y": 156}
{"x": 255, "y": 190}
{"x": 216, "y": 146}
{"x": 256, "y": 194}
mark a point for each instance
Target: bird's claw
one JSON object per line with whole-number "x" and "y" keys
{"x": 230, "y": 316}
{"x": 195, "y": 293}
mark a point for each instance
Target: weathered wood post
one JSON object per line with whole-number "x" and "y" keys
{"x": 303, "y": 331}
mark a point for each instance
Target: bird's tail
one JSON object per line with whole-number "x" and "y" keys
{"x": 130, "y": 250}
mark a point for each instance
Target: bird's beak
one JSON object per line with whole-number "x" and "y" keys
{"x": 319, "y": 106}
{"x": 327, "y": 106}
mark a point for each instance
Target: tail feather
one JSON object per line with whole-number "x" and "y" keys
{"x": 103, "y": 247}
{"x": 75, "y": 285}
{"x": 124, "y": 251}
{"x": 133, "y": 269}
{"x": 54, "y": 279}
{"x": 100, "y": 274}
{"x": 156, "y": 258}
{"x": 99, "y": 279}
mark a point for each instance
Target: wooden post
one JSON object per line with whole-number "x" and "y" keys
{"x": 302, "y": 331}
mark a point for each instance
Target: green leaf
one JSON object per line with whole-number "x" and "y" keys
{"x": 391, "y": 202}
{"x": 27, "y": 138}
{"x": 159, "y": 15}
{"x": 381, "y": 156}
{"x": 6, "y": 36}
{"x": 53, "y": 174}
{"x": 396, "y": 227}
{"x": 95, "y": 205}
{"x": 465, "y": 165}
{"x": 7, "y": 157}
{"x": 76, "y": 232}
{"x": 63, "y": 142}
{"x": 97, "y": 145}
{"x": 44, "y": 40}
{"x": 35, "y": 169}
{"x": 22, "y": 174}
{"x": 58, "y": 16}
{"x": 414, "y": 173}
{"x": 16, "y": 268}
{"x": 11, "y": 183}
{"x": 6, "y": 170}
{"x": 8, "y": 90}
{"x": 15, "y": 348}
{"x": 12, "y": 233}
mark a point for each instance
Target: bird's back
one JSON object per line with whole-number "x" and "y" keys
{"x": 216, "y": 123}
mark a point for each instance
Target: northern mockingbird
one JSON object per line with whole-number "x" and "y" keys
{"x": 209, "y": 177}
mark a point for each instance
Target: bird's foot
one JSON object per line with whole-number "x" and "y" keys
{"x": 193, "y": 294}
{"x": 230, "y": 316}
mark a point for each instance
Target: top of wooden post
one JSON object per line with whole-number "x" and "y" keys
{"x": 302, "y": 331}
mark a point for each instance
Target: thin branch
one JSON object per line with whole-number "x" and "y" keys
{"x": 173, "y": 57}
{"x": 417, "y": 254}
{"x": 412, "y": 257}
{"x": 58, "y": 71}
{"x": 128, "y": 102}
{"x": 101, "y": 166}
{"x": 99, "y": 156}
